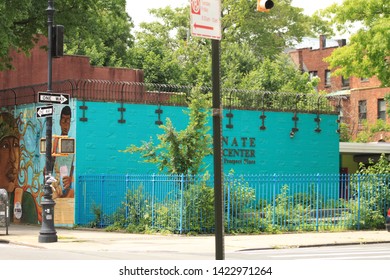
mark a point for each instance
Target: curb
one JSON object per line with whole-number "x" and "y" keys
{"x": 315, "y": 245}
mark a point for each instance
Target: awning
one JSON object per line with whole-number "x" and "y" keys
{"x": 364, "y": 148}
{"x": 339, "y": 93}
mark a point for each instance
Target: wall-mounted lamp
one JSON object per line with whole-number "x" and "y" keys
{"x": 293, "y": 131}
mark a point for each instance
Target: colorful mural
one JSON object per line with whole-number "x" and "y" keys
{"x": 22, "y": 165}
{"x": 63, "y": 167}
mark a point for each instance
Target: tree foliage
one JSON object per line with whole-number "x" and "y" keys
{"x": 250, "y": 49}
{"x": 368, "y": 53}
{"x": 166, "y": 52}
{"x": 251, "y": 46}
{"x": 380, "y": 167}
{"x": 100, "y": 29}
{"x": 268, "y": 34}
{"x": 368, "y": 131}
{"x": 181, "y": 152}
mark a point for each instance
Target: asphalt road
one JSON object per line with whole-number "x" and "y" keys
{"x": 352, "y": 252}
{"x": 330, "y": 262}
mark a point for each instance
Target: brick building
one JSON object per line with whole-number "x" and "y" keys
{"x": 33, "y": 69}
{"x": 359, "y": 100}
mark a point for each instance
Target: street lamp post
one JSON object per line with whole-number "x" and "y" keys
{"x": 48, "y": 233}
{"x": 217, "y": 143}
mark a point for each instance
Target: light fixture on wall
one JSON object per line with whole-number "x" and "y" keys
{"x": 122, "y": 110}
{"x": 318, "y": 118}
{"x": 230, "y": 114}
{"x": 318, "y": 121}
{"x": 263, "y": 117}
{"x": 158, "y": 111}
{"x": 295, "y": 129}
{"x": 230, "y": 117}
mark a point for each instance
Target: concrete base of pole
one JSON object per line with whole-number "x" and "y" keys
{"x": 48, "y": 233}
{"x": 47, "y": 238}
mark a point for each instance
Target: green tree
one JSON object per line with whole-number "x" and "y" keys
{"x": 18, "y": 26}
{"x": 168, "y": 54}
{"x": 279, "y": 75}
{"x": 181, "y": 152}
{"x": 370, "y": 130}
{"x": 381, "y": 167}
{"x": 268, "y": 34}
{"x": 368, "y": 52}
{"x": 97, "y": 28}
{"x": 371, "y": 187}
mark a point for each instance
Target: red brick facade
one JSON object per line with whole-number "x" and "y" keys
{"x": 34, "y": 69}
{"x": 347, "y": 93}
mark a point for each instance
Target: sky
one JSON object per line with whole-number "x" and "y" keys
{"x": 138, "y": 10}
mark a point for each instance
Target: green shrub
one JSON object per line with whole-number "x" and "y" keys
{"x": 199, "y": 208}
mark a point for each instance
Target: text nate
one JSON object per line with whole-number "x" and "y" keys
{"x": 239, "y": 150}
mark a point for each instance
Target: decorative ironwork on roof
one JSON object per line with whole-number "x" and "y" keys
{"x": 172, "y": 95}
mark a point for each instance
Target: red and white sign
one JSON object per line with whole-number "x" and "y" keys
{"x": 206, "y": 19}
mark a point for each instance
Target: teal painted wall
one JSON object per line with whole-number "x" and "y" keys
{"x": 276, "y": 152}
{"x": 246, "y": 148}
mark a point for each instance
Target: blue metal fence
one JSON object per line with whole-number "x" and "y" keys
{"x": 253, "y": 203}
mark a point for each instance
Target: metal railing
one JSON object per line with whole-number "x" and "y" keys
{"x": 170, "y": 95}
{"x": 253, "y": 203}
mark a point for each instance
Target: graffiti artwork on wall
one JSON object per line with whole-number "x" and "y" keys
{"x": 22, "y": 166}
{"x": 63, "y": 165}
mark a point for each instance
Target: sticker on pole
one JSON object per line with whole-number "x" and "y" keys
{"x": 206, "y": 19}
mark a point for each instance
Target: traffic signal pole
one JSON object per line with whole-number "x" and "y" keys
{"x": 48, "y": 233}
{"x": 217, "y": 139}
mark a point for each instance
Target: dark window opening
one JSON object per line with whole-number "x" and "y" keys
{"x": 362, "y": 110}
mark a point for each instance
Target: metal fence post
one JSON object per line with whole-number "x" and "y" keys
{"x": 228, "y": 197}
{"x": 358, "y": 221}
{"x": 77, "y": 202}
{"x": 153, "y": 188}
{"x": 317, "y": 201}
{"x": 101, "y": 199}
{"x": 127, "y": 197}
{"x": 181, "y": 203}
{"x": 274, "y": 200}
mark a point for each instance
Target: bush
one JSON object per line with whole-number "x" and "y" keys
{"x": 199, "y": 208}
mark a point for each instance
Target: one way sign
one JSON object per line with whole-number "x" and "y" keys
{"x": 45, "y": 111}
{"x": 55, "y": 98}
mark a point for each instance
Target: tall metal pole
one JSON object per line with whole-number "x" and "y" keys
{"x": 217, "y": 139}
{"x": 48, "y": 233}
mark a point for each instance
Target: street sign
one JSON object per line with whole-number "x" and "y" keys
{"x": 45, "y": 111}
{"x": 206, "y": 19}
{"x": 56, "y": 98}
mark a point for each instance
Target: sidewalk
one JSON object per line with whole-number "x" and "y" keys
{"x": 89, "y": 240}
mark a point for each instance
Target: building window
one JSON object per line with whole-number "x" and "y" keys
{"x": 312, "y": 74}
{"x": 362, "y": 110}
{"x": 341, "y": 114}
{"x": 382, "y": 109}
{"x": 327, "y": 78}
{"x": 345, "y": 82}
{"x": 364, "y": 80}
